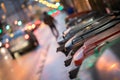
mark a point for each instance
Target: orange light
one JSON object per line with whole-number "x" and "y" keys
{"x": 15, "y": 22}
{"x": 27, "y": 36}
{"x": 3, "y": 7}
{"x": 113, "y": 66}
{"x": 7, "y": 45}
{"x": 11, "y": 35}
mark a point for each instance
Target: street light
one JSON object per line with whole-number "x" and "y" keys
{"x": 7, "y": 27}
{"x": 19, "y": 23}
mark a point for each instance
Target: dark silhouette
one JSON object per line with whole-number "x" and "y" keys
{"x": 50, "y": 21}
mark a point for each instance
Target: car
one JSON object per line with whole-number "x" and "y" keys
{"x": 101, "y": 66}
{"x": 91, "y": 44}
{"x": 20, "y": 42}
{"x": 81, "y": 37}
{"x": 89, "y": 47}
{"x": 78, "y": 39}
{"x": 78, "y": 53}
{"x": 76, "y": 18}
{"x": 75, "y": 39}
{"x": 32, "y": 26}
{"x": 77, "y": 15}
{"x": 70, "y": 32}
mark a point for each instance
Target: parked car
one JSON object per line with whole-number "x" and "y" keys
{"x": 20, "y": 42}
{"x": 82, "y": 49}
{"x": 94, "y": 30}
{"x": 70, "y": 32}
{"x": 86, "y": 30}
{"x": 89, "y": 47}
{"x": 79, "y": 53}
{"x": 91, "y": 44}
{"x": 76, "y": 15}
{"x": 102, "y": 66}
{"x": 76, "y": 18}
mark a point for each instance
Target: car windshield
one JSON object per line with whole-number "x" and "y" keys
{"x": 16, "y": 35}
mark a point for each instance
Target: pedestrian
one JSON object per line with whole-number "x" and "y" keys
{"x": 50, "y": 21}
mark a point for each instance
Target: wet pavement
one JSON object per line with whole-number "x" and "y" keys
{"x": 43, "y": 63}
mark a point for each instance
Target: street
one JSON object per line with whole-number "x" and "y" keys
{"x": 59, "y": 39}
{"x": 42, "y": 63}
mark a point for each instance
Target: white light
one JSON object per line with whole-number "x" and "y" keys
{"x": 17, "y": 55}
{"x": 33, "y": 26}
{"x": 57, "y": 4}
{"x": 91, "y": 20}
{"x": 19, "y": 23}
{"x": 3, "y": 50}
{"x": 6, "y": 57}
{"x": 8, "y": 27}
{"x": 0, "y": 44}
{"x": 7, "y": 40}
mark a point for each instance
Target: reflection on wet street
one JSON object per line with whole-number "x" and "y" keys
{"x": 43, "y": 63}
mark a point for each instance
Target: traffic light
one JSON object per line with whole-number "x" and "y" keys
{"x": 1, "y": 27}
{"x": 60, "y": 8}
{"x": 1, "y": 31}
{"x": 50, "y": 13}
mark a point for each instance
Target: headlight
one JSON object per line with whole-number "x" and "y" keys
{"x": 27, "y": 36}
{"x": 0, "y": 44}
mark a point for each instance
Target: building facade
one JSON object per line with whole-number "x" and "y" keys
{"x": 11, "y": 10}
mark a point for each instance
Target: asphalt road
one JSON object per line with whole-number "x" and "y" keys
{"x": 42, "y": 63}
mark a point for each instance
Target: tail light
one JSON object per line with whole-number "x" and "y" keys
{"x": 26, "y": 36}
{"x": 37, "y": 23}
{"x": 7, "y": 45}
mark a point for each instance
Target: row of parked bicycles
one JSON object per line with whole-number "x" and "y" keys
{"x": 91, "y": 45}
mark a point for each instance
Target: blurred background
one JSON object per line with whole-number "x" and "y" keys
{"x": 29, "y": 50}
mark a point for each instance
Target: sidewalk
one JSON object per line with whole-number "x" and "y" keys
{"x": 54, "y": 68}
